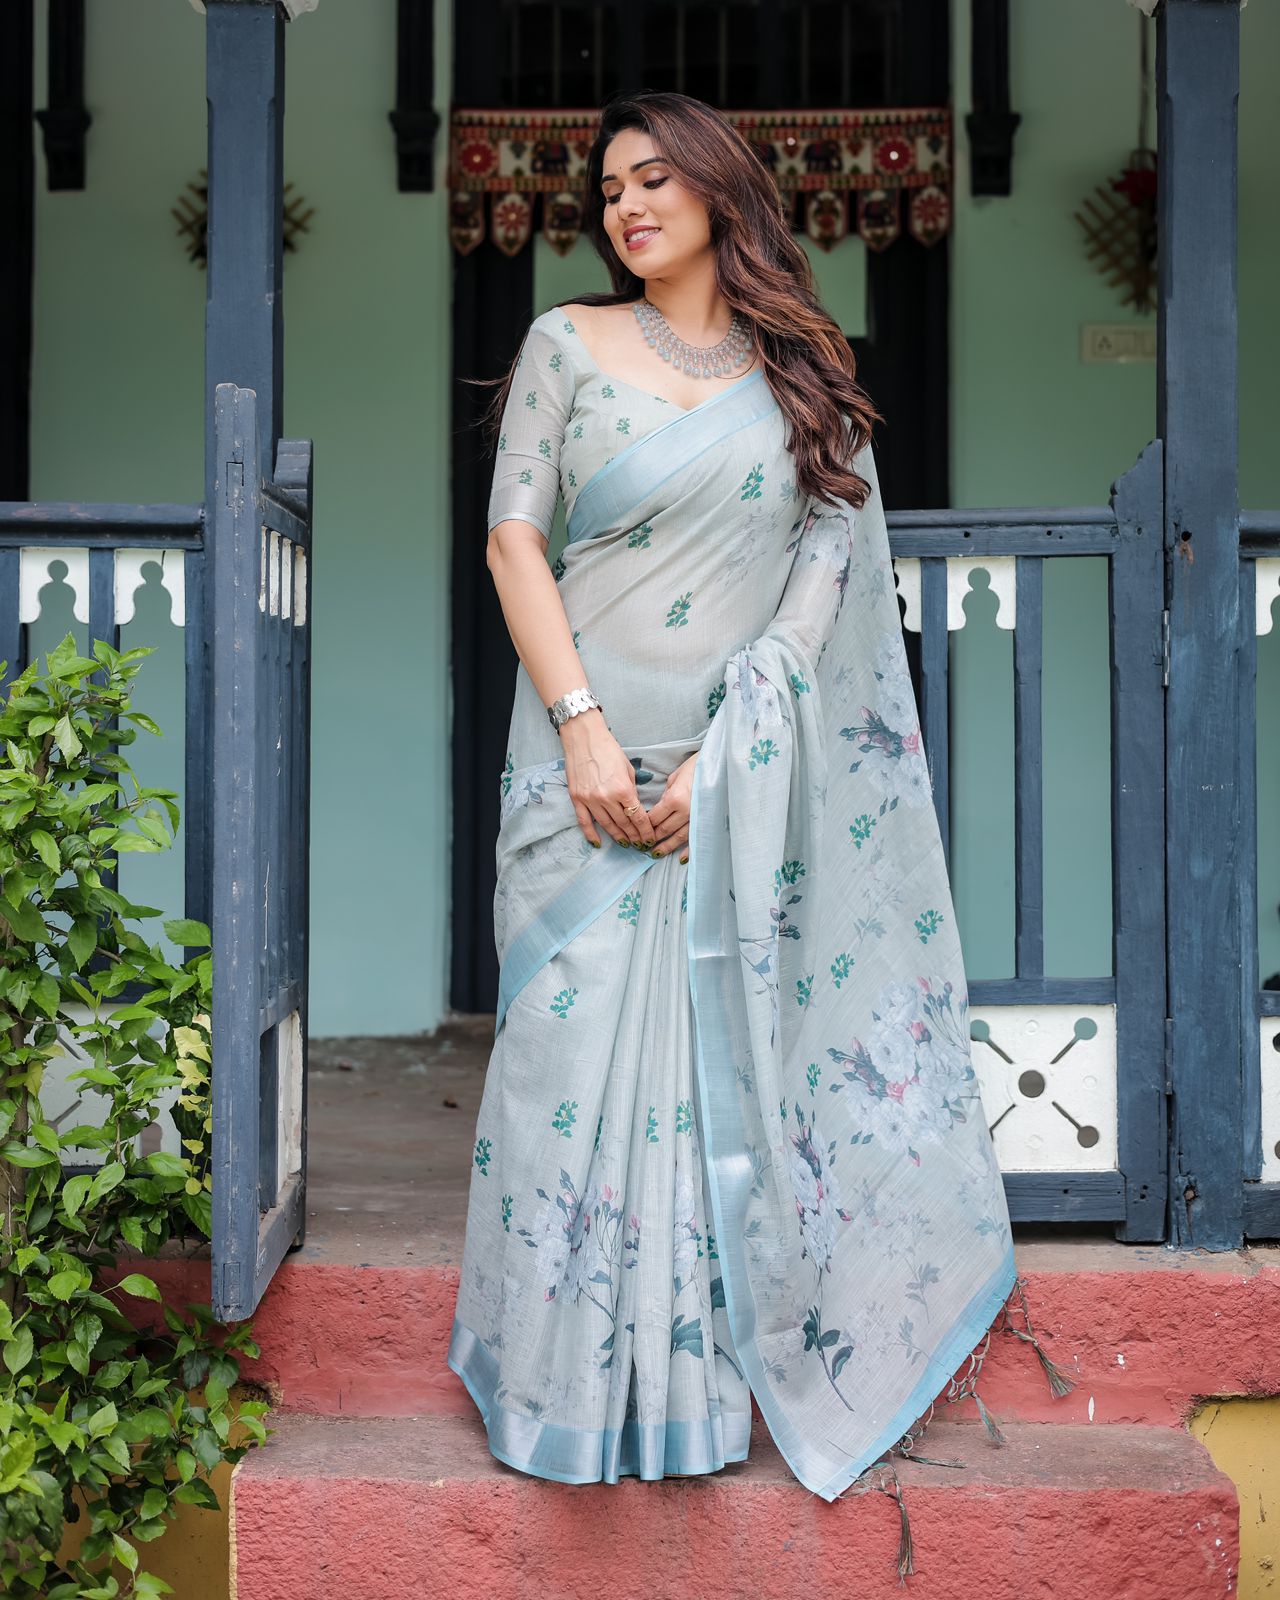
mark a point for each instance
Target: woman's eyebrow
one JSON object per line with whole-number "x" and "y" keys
{"x": 635, "y": 166}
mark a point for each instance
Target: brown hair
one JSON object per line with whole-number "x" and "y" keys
{"x": 760, "y": 271}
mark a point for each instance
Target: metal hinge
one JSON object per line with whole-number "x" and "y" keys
{"x": 1164, "y": 627}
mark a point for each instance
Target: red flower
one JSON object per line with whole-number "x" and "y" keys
{"x": 1138, "y": 184}
{"x": 894, "y": 155}
{"x": 476, "y": 158}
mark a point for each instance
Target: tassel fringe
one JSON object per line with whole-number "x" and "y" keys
{"x": 962, "y": 1388}
{"x": 873, "y": 1477}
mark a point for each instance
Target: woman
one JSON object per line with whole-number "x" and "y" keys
{"x": 731, "y": 1141}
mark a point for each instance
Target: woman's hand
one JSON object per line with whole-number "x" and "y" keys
{"x": 670, "y": 816}
{"x": 602, "y": 782}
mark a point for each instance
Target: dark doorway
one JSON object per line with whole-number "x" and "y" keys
{"x": 775, "y": 54}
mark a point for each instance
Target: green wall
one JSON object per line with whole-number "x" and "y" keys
{"x": 1035, "y": 425}
{"x": 117, "y": 415}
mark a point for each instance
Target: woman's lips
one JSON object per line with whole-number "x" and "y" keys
{"x": 638, "y": 239}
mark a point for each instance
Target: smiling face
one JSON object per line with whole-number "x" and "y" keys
{"x": 643, "y": 197}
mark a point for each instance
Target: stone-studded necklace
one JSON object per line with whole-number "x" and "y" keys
{"x": 706, "y": 361}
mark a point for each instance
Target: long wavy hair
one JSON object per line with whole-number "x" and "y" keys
{"x": 761, "y": 272}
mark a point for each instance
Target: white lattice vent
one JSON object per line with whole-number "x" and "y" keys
{"x": 35, "y": 573}
{"x": 1048, "y": 1080}
{"x": 1266, "y": 586}
{"x": 1001, "y": 574}
{"x": 1269, "y": 1073}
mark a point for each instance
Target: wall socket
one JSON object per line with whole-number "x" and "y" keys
{"x": 1118, "y": 341}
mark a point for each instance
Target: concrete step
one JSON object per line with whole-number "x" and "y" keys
{"x": 408, "y": 1507}
{"x": 1144, "y": 1331}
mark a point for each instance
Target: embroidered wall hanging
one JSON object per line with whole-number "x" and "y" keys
{"x": 835, "y": 170}
{"x": 1120, "y": 219}
{"x": 192, "y": 216}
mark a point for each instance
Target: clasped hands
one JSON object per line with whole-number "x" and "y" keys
{"x": 602, "y": 785}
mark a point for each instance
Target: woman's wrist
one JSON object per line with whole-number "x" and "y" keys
{"x": 571, "y": 703}
{"x": 582, "y": 725}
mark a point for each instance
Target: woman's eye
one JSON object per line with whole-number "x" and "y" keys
{"x": 653, "y": 183}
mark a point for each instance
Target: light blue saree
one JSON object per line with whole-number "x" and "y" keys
{"x": 731, "y": 1141}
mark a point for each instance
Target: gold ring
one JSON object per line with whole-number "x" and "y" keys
{"x": 627, "y": 810}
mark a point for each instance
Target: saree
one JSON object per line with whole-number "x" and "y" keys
{"x": 731, "y": 1142}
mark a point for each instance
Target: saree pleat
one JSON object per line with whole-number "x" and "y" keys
{"x": 731, "y": 1141}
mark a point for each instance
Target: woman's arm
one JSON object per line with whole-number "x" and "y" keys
{"x": 600, "y": 778}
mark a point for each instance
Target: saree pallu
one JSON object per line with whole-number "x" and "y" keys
{"x": 731, "y": 1141}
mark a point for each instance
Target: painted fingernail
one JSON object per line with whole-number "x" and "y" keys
{"x": 684, "y": 857}
{"x": 655, "y": 852}
{"x": 594, "y": 843}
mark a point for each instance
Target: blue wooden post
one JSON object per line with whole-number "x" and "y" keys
{"x": 252, "y": 772}
{"x": 244, "y": 322}
{"x": 238, "y": 919}
{"x": 1197, "y": 419}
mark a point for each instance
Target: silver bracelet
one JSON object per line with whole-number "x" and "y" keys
{"x": 569, "y": 705}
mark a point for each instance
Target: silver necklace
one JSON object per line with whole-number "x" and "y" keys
{"x": 700, "y": 361}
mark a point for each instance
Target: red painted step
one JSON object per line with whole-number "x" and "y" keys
{"x": 1145, "y": 1331}
{"x": 412, "y": 1507}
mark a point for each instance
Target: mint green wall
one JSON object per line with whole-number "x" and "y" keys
{"x": 1034, "y": 425}
{"x": 117, "y": 415}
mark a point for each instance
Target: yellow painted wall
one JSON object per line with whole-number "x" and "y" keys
{"x": 193, "y": 1554}
{"x": 1243, "y": 1437}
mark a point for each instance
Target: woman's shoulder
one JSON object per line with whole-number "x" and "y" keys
{"x": 551, "y": 336}
{"x": 555, "y": 323}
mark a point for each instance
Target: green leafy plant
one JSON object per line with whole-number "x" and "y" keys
{"x": 98, "y": 1417}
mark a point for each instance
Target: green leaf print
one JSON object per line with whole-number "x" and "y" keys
{"x": 607, "y": 392}
{"x": 684, "y": 1116}
{"x": 565, "y": 1118}
{"x": 624, "y": 425}
{"x": 483, "y": 1151}
{"x": 678, "y": 612}
{"x": 526, "y": 475}
{"x": 629, "y": 907}
{"x": 928, "y": 922}
{"x": 814, "y": 1074}
{"x": 554, "y": 360}
{"x": 560, "y": 1005}
{"x": 861, "y": 827}
{"x": 754, "y": 479}
{"x": 687, "y": 1336}
{"x": 507, "y": 1202}
{"x": 841, "y": 967}
{"x": 531, "y": 400}
{"x": 502, "y": 442}
{"x": 715, "y": 699}
{"x": 544, "y": 447}
{"x": 638, "y": 538}
{"x": 804, "y": 988}
{"x": 761, "y": 752}
{"x": 799, "y": 684}
{"x": 651, "y": 1126}
{"x": 506, "y": 775}
{"x": 789, "y": 872}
